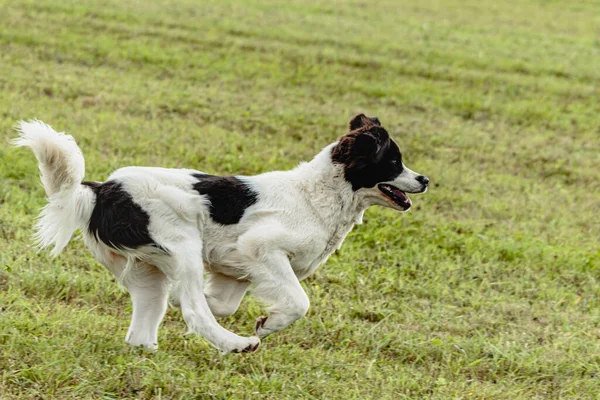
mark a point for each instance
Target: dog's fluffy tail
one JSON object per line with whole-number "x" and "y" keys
{"x": 62, "y": 167}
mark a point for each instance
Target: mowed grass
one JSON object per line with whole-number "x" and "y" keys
{"x": 487, "y": 289}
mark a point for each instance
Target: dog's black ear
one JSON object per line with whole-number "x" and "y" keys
{"x": 372, "y": 142}
{"x": 366, "y": 142}
{"x": 360, "y": 121}
{"x": 375, "y": 121}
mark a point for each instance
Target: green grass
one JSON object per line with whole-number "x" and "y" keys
{"x": 487, "y": 289}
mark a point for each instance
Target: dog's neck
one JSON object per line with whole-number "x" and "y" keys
{"x": 329, "y": 193}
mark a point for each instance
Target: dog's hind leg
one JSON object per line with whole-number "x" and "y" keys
{"x": 224, "y": 294}
{"x": 148, "y": 288}
{"x": 187, "y": 266}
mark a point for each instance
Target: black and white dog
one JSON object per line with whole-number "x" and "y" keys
{"x": 203, "y": 240}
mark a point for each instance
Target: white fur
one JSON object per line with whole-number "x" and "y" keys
{"x": 301, "y": 217}
{"x": 62, "y": 169}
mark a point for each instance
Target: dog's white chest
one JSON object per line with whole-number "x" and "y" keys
{"x": 319, "y": 251}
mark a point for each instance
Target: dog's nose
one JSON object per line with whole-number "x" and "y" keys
{"x": 422, "y": 179}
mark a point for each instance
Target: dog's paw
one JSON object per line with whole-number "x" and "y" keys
{"x": 261, "y": 332}
{"x": 141, "y": 340}
{"x": 146, "y": 347}
{"x": 249, "y": 345}
{"x": 260, "y": 321}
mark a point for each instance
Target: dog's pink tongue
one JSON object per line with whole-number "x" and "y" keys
{"x": 402, "y": 195}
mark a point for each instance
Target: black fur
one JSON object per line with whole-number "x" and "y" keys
{"x": 362, "y": 120}
{"x": 229, "y": 197}
{"x": 368, "y": 154}
{"x": 116, "y": 219}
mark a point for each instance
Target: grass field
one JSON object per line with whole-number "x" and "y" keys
{"x": 487, "y": 289}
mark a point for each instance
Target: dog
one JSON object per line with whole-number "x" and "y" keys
{"x": 202, "y": 240}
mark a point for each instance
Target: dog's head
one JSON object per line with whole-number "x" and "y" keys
{"x": 373, "y": 165}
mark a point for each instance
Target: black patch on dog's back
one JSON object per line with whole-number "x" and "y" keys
{"x": 117, "y": 220}
{"x": 229, "y": 197}
{"x": 367, "y": 153}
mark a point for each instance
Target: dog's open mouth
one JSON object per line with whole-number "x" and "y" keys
{"x": 396, "y": 195}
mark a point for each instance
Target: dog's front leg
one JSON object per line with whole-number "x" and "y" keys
{"x": 224, "y": 294}
{"x": 278, "y": 286}
{"x": 187, "y": 261}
